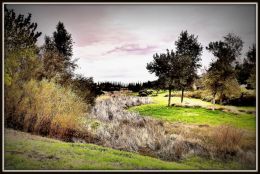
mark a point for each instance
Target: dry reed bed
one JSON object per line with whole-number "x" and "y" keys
{"x": 120, "y": 129}
{"x": 129, "y": 131}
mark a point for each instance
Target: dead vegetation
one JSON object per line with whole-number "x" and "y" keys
{"x": 48, "y": 109}
{"x": 117, "y": 128}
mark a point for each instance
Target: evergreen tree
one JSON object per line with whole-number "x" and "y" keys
{"x": 220, "y": 78}
{"x": 20, "y": 37}
{"x": 57, "y": 55}
{"x": 63, "y": 40}
{"x": 19, "y": 32}
{"x": 251, "y": 61}
{"x": 188, "y": 47}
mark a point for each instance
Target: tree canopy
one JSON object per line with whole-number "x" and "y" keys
{"x": 220, "y": 78}
{"x": 170, "y": 68}
{"x": 188, "y": 47}
{"x": 246, "y": 71}
{"x": 178, "y": 69}
{"x": 57, "y": 55}
{"x": 20, "y": 37}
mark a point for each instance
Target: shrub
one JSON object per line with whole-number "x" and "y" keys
{"x": 85, "y": 88}
{"x": 226, "y": 141}
{"x": 243, "y": 101}
{"x": 46, "y": 108}
{"x": 144, "y": 93}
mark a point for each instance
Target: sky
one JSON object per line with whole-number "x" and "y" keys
{"x": 115, "y": 42}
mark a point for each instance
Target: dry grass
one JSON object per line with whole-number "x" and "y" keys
{"x": 223, "y": 142}
{"x": 129, "y": 131}
{"x": 230, "y": 143}
{"x": 226, "y": 141}
{"x": 50, "y": 110}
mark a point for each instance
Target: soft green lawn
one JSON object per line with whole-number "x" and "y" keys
{"x": 197, "y": 115}
{"x": 25, "y": 151}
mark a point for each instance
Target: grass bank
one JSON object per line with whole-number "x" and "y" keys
{"x": 25, "y": 151}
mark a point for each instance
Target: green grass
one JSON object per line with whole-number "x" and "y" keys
{"x": 198, "y": 115}
{"x": 205, "y": 164}
{"x": 30, "y": 152}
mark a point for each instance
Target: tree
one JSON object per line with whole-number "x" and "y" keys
{"x": 19, "y": 32}
{"x": 53, "y": 61}
{"x": 170, "y": 69}
{"x": 246, "y": 71}
{"x": 85, "y": 88}
{"x": 63, "y": 40}
{"x": 242, "y": 72}
{"x": 188, "y": 47}
{"x": 220, "y": 78}
{"x": 21, "y": 62}
{"x": 251, "y": 59}
{"x": 20, "y": 37}
{"x": 57, "y": 55}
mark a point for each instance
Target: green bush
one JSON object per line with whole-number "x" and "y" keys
{"x": 144, "y": 93}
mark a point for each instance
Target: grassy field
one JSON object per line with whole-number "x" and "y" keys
{"x": 24, "y": 151}
{"x": 197, "y": 115}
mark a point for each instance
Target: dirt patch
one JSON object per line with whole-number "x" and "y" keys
{"x": 203, "y": 125}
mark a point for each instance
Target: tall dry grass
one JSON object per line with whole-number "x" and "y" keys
{"x": 124, "y": 130}
{"x": 46, "y": 108}
{"x": 226, "y": 141}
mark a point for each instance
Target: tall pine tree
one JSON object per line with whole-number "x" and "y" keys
{"x": 188, "y": 47}
{"x": 57, "y": 55}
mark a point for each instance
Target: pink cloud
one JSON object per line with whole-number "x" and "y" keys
{"x": 132, "y": 49}
{"x": 95, "y": 35}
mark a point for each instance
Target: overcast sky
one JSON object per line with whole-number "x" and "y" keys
{"x": 115, "y": 42}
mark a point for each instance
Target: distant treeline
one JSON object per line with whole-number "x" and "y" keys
{"x": 135, "y": 87}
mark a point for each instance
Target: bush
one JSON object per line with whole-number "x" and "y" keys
{"x": 144, "y": 93}
{"x": 226, "y": 141}
{"x": 85, "y": 88}
{"x": 243, "y": 101}
{"x": 46, "y": 108}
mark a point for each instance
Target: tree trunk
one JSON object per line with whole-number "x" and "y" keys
{"x": 213, "y": 102}
{"x": 170, "y": 95}
{"x": 182, "y": 91}
{"x": 221, "y": 99}
{"x": 157, "y": 92}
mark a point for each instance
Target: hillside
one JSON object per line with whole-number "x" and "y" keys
{"x": 24, "y": 151}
